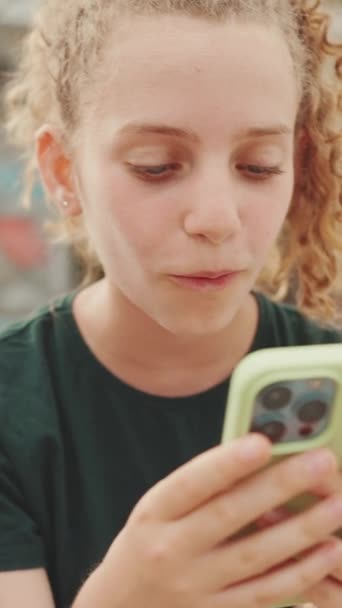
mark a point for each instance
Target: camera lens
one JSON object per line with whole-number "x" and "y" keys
{"x": 276, "y": 397}
{"x": 312, "y": 411}
{"x": 274, "y": 430}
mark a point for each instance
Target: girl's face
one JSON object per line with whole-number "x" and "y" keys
{"x": 187, "y": 165}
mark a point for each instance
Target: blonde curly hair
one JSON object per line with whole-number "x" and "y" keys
{"x": 54, "y": 82}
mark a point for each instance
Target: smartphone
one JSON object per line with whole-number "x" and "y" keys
{"x": 293, "y": 395}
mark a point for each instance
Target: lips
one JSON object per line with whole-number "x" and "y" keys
{"x": 207, "y": 275}
{"x": 205, "y": 281}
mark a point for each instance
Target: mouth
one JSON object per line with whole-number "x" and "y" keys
{"x": 208, "y": 274}
{"x": 206, "y": 281}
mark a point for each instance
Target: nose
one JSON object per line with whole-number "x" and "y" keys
{"x": 214, "y": 213}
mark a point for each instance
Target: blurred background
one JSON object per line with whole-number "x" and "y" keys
{"x": 31, "y": 270}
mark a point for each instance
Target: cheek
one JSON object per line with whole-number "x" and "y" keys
{"x": 132, "y": 216}
{"x": 263, "y": 218}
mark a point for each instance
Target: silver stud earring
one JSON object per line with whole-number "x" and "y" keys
{"x": 65, "y": 204}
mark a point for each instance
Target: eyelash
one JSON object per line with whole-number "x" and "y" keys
{"x": 260, "y": 173}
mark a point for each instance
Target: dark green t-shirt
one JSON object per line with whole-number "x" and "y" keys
{"x": 78, "y": 447}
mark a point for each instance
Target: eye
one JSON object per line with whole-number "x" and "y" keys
{"x": 154, "y": 172}
{"x": 259, "y": 172}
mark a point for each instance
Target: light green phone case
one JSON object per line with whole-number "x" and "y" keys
{"x": 277, "y": 369}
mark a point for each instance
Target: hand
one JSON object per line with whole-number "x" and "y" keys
{"x": 179, "y": 547}
{"x": 328, "y": 593}
{"x": 327, "y": 487}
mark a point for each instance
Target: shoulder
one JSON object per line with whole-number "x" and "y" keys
{"x": 26, "y": 331}
{"x": 31, "y": 439}
{"x": 29, "y": 338}
{"x": 283, "y": 324}
{"x": 28, "y": 350}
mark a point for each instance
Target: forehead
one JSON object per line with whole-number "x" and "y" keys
{"x": 194, "y": 70}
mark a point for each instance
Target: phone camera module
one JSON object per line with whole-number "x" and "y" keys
{"x": 273, "y": 429}
{"x": 312, "y": 411}
{"x": 276, "y": 397}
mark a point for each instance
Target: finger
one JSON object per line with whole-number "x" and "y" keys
{"x": 205, "y": 476}
{"x": 326, "y": 594}
{"x": 259, "y": 552}
{"x": 247, "y": 501}
{"x": 328, "y": 486}
{"x": 336, "y": 575}
{"x": 291, "y": 580}
{"x": 279, "y": 515}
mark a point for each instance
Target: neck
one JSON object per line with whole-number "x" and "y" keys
{"x": 172, "y": 365}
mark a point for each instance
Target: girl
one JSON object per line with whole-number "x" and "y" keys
{"x": 192, "y": 148}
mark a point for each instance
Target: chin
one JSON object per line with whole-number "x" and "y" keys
{"x": 197, "y": 325}
{"x": 196, "y": 316}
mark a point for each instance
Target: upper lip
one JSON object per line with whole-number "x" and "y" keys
{"x": 207, "y": 274}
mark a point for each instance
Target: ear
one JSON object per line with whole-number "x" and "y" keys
{"x": 56, "y": 171}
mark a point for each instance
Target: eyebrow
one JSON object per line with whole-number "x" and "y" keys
{"x": 151, "y": 129}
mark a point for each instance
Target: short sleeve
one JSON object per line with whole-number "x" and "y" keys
{"x": 21, "y": 547}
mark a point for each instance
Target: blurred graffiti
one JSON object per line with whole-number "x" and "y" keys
{"x": 22, "y": 243}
